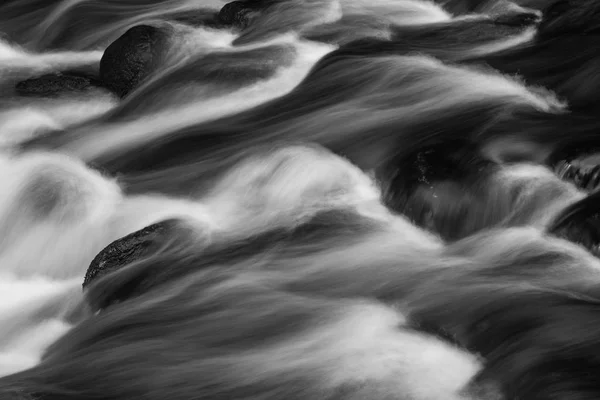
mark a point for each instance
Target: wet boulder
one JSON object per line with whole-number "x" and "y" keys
{"x": 238, "y": 13}
{"x": 580, "y": 223}
{"x": 235, "y": 14}
{"x": 124, "y": 251}
{"x": 518, "y": 19}
{"x": 133, "y": 57}
{"x": 438, "y": 189}
{"x": 56, "y": 84}
{"x": 131, "y": 266}
{"x": 579, "y": 165}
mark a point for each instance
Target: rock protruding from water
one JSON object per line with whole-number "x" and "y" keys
{"x": 135, "y": 264}
{"x": 126, "y": 250}
{"x": 582, "y": 168}
{"x": 52, "y": 85}
{"x": 235, "y": 14}
{"x": 518, "y": 19}
{"x": 203, "y": 17}
{"x": 580, "y": 223}
{"x": 238, "y": 13}
{"x": 133, "y": 57}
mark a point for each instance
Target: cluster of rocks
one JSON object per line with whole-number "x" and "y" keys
{"x": 124, "y": 65}
{"x": 136, "y": 54}
{"x": 140, "y": 51}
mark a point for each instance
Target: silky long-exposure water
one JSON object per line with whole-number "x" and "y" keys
{"x": 299, "y": 199}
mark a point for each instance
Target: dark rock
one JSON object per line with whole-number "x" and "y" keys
{"x": 518, "y": 19}
{"x": 583, "y": 173}
{"x": 580, "y": 223}
{"x": 579, "y": 165}
{"x": 437, "y": 188}
{"x": 133, "y": 57}
{"x": 125, "y": 250}
{"x": 235, "y": 14}
{"x": 238, "y": 13}
{"x": 109, "y": 282}
{"x": 511, "y": 14}
{"x": 51, "y": 85}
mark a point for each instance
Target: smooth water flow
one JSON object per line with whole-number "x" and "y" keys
{"x": 299, "y": 199}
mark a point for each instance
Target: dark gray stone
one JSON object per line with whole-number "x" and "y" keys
{"x": 133, "y": 57}
{"x": 125, "y": 250}
{"x": 238, "y": 13}
{"x": 51, "y": 85}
